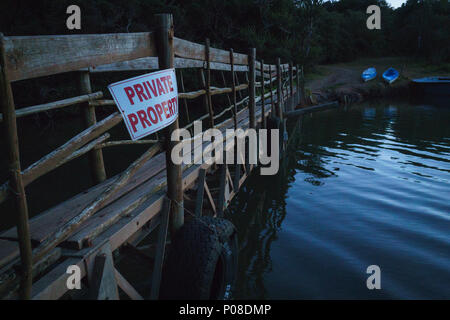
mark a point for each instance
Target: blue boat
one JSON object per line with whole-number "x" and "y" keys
{"x": 390, "y": 75}
{"x": 432, "y": 86}
{"x": 369, "y": 74}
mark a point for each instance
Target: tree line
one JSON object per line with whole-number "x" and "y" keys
{"x": 304, "y": 31}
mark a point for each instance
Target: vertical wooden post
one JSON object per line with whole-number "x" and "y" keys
{"x": 271, "y": 92}
{"x": 203, "y": 84}
{"x": 237, "y": 82}
{"x": 302, "y": 84}
{"x": 225, "y": 85}
{"x": 15, "y": 174}
{"x": 164, "y": 36}
{"x": 96, "y": 163}
{"x": 184, "y": 100}
{"x": 279, "y": 91}
{"x": 237, "y": 172}
{"x": 263, "y": 102}
{"x": 291, "y": 79}
{"x": 251, "y": 86}
{"x": 298, "y": 85}
{"x": 160, "y": 249}
{"x": 233, "y": 87}
{"x": 208, "y": 84}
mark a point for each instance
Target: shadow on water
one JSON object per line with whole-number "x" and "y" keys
{"x": 359, "y": 186}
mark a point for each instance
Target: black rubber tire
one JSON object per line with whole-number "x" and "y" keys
{"x": 202, "y": 262}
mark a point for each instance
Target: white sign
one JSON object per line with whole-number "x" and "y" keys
{"x": 148, "y": 103}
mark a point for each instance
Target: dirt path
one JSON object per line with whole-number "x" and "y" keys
{"x": 338, "y": 76}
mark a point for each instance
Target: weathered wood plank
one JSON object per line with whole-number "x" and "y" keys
{"x": 56, "y": 104}
{"x": 151, "y": 63}
{"x": 36, "y": 56}
{"x": 160, "y": 250}
{"x": 45, "y": 223}
{"x": 9, "y": 250}
{"x": 200, "y": 193}
{"x": 192, "y": 50}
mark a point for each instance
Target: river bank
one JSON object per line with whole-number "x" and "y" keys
{"x": 342, "y": 82}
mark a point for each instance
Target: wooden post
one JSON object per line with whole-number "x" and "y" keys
{"x": 160, "y": 249}
{"x": 251, "y": 86}
{"x": 271, "y": 92}
{"x": 302, "y": 84}
{"x": 164, "y": 36}
{"x": 96, "y": 163}
{"x": 263, "y": 106}
{"x": 237, "y": 82}
{"x": 291, "y": 79}
{"x": 203, "y": 84}
{"x": 208, "y": 83}
{"x": 15, "y": 175}
{"x": 233, "y": 88}
{"x": 225, "y": 85}
{"x": 184, "y": 100}
{"x": 279, "y": 91}
{"x": 298, "y": 85}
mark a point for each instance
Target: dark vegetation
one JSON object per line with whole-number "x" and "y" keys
{"x": 305, "y": 31}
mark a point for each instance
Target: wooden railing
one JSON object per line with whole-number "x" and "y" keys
{"x": 29, "y": 57}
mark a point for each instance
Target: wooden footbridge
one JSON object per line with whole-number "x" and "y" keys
{"x": 88, "y": 229}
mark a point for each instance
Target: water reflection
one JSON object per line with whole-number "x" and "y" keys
{"x": 360, "y": 186}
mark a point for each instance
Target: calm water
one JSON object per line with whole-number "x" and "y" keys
{"x": 362, "y": 186}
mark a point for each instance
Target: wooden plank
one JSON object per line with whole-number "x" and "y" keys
{"x": 192, "y": 50}
{"x": 208, "y": 84}
{"x": 9, "y": 250}
{"x": 126, "y": 286}
{"x": 151, "y": 63}
{"x": 210, "y": 198}
{"x": 53, "y": 218}
{"x": 111, "y": 213}
{"x": 103, "y": 285}
{"x": 37, "y": 56}
{"x": 22, "y": 112}
{"x": 222, "y": 186}
{"x": 141, "y": 64}
{"x": 320, "y": 107}
{"x": 160, "y": 249}
{"x": 200, "y": 193}
{"x": 53, "y": 285}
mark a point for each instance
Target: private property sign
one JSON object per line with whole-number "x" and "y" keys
{"x": 148, "y": 103}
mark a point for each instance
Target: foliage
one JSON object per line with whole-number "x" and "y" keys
{"x": 305, "y": 31}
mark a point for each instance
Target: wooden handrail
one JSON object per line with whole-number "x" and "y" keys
{"x": 56, "y": 104}
{"x": 37, "y": 56}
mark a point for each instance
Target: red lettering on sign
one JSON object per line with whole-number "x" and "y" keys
{"x": 153, "y": 119}
{"x": 140, "y": 91}
{"x": 160, "y": 87}
{"x": 169, "y": 79}
{"x": 164, "y": 105}
{"x": 130, "y": 94}
{"x": 152, "y": 88}
{"x": 143, "y": 117}
{"x": 133, "y": 121}
{"x": 159, "y": 110}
